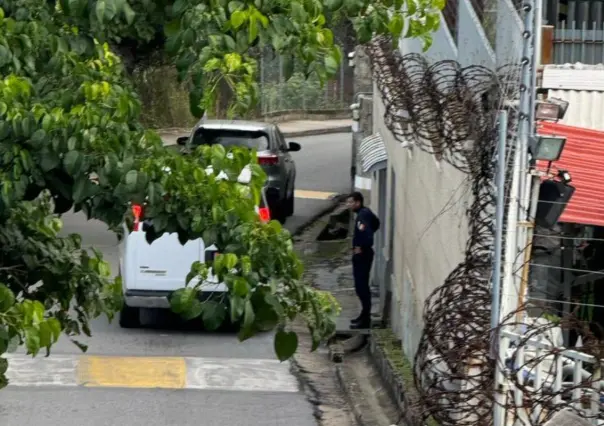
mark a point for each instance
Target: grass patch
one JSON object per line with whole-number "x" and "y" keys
{"x": 397, "y": 358}
{"x": 400, "y": 364}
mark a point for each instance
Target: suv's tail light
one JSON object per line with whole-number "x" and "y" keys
{"x": 264, "y": 213}
{"x": 268, "y": 159}
{"x": 137, "y": 212}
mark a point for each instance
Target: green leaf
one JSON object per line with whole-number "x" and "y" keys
{"x": 213, "y": 314}
{"x": 160, "y": 222}
{"x": 3, "y": 342}
{"x": 193, "y": 311}
{"x": 131, "y": 180}
{"x": 235, "y": 5}
{"x": 247, "y": 328}
{"x": 252, "y": 30}
{"x": 439, "y": 4}
{"x": 172, "y": 28}
{"x": 3, "y": 361}
{"x": 32, "y": 340}
{"x": 55, "y": 328}
{"x": 241, "y": 287}
{"x": 7, "y": 298}
{"x": 230, "y": 260}
{"x": 334, "y": 5}
{"x": 248, "y": 315}
{"x": 396, "y": 25}
{"x": 179, "y": 7}
{"x": 38, "y": 138}
{"x": 82, "y": 189}
{"x": 182, "y": 299}
{"x": 218, "y": 154}
{"x": 5, "y": 55}
{"x": 73, "y": 162}
{"x": 129, "y": 14}
{"x": 331, "y": 64}
{"x": 286, "y": 344}
{"x": 45, "y": 335}
{"x": 195, "y": 98}
{"x": 237, "y": 306}
{"x": 238, "y": 18}
{"x": 100, "y": 10}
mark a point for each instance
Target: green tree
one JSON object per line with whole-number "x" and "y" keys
{"x": 70, "y": 139}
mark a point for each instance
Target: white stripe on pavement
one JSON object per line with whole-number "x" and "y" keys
{"x": 260, "y": 375}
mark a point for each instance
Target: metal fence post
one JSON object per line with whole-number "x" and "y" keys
{"x": 341, "y": 88}
{"x": 263, "y": 106}
{"x": 281, "y": 83}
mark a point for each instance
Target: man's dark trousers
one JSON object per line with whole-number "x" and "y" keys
{"x": 361, "y": 271}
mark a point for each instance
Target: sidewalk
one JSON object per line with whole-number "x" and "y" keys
{"x": 290, "y": 129}
{"x": 357, "y": 381}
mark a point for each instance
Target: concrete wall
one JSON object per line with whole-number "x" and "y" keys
{"x": 426, "y": 226}
{"x": 429, "y": 229}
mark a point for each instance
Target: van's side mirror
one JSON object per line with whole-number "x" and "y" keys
{"x": 294, "y": 147}
{"x": 182, "y": 140}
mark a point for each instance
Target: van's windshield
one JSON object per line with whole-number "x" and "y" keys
{"x": 232, "y": 138}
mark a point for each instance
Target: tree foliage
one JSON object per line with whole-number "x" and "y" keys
{"x": 70, "y": 139}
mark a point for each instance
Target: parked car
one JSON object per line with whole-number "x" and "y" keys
{"x": 273, "y": 155}
{"x": 152, "y": 272}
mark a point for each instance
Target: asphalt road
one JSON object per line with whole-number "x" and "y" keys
{"x": 164, "y": 374}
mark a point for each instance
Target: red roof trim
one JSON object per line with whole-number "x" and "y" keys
{"x": 583, "y": 158}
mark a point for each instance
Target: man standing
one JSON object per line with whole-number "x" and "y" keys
{"x": 366, "y": 224}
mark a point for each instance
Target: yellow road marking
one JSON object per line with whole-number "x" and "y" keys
{"x": 132, "y": 372}
{"x": 314, "y": 195}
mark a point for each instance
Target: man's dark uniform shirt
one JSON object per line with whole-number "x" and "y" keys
{"x": 364, "y": 229}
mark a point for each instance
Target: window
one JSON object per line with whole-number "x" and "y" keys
{"x": 230, "y": 138}
{"x": 281, "y": 140}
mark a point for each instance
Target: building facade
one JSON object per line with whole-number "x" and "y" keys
{"x": 420, "y": 198}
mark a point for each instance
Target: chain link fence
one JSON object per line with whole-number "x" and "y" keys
{"x": 299, "y": 93}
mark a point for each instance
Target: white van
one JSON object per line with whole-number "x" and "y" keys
{"x": 151, "y": 272}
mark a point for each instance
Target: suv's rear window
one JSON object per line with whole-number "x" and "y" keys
{"x": 231, "y": 138}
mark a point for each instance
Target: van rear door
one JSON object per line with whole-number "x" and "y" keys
{"x": 164, "y": 264}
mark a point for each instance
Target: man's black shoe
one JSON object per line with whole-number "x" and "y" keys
{"x": 360, "y": 325}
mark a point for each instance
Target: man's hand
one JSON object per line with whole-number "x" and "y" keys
{"x": 356, "y": 250}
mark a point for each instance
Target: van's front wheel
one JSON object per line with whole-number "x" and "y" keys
{"x": 130, "y": 317}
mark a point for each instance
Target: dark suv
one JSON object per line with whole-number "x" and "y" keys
{"x": 273, "y": 155}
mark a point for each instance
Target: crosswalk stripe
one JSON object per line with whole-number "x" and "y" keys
{"x": 314, "y": 195}
{"x": 260, "y": 375}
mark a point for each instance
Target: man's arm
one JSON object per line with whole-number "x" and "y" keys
{"x": 362, "y": 233}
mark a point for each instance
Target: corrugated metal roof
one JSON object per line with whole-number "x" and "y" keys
{"x": 573, "y": 77}
{"x": 585, "y": 108}
{"x": 583, "y": 158}
{"x": 583, "y": 87}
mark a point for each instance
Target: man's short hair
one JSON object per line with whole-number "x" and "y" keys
{"x": 357, "y": 196}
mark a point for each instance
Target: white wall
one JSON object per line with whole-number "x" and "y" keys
{"x": 430, "y": 229}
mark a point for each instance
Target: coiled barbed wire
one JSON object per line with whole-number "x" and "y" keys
{"x": 450, "y": 111}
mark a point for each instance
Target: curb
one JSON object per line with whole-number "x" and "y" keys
{"x": 336, "y": 201}
{"x": 356, "y": 411}
{"x": 393, "y": 384}
{"x": 174, "y": 132}
{"x": 317, "y": 132}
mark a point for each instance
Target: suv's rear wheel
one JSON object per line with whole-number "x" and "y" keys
{"x": 289, "y": 204}
{"x": 130, "y": 317}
